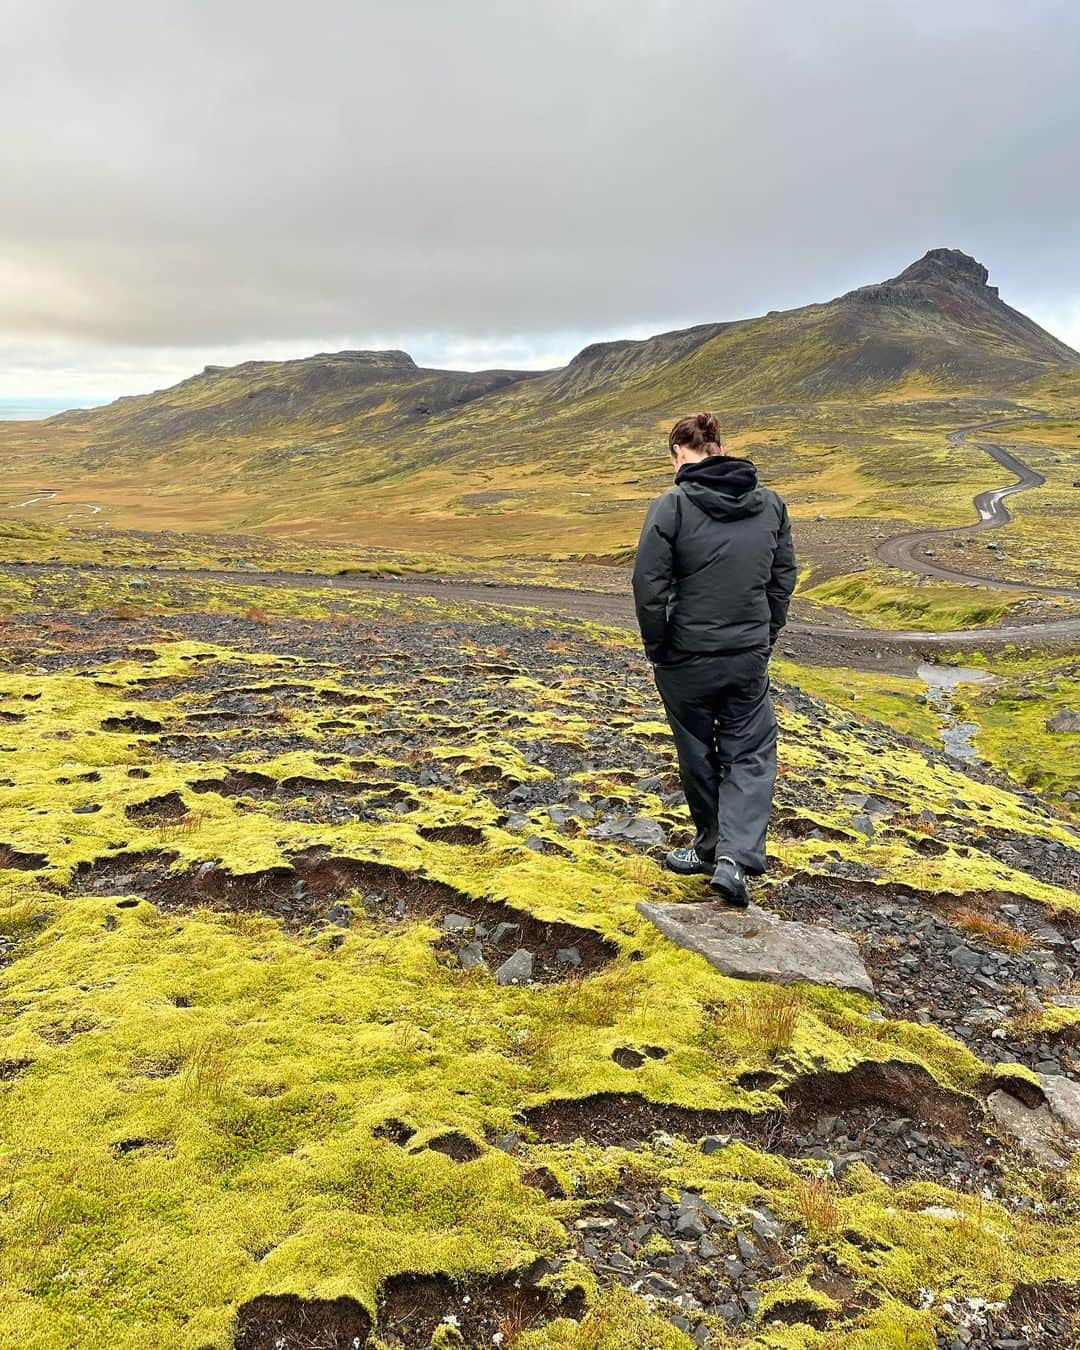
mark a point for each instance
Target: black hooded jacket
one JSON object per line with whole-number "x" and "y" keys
{"x": 715, "y": 564}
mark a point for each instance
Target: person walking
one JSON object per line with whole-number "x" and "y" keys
{"x": 714, "y": 574}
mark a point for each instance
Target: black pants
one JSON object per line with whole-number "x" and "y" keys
{"x": 722, "y": 718}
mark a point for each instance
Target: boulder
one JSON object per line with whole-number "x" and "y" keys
{"x": 756, "y": 945}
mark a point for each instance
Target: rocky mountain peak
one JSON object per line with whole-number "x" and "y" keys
{"x": 946, "y": 264}
{"x": 938, "y": 272}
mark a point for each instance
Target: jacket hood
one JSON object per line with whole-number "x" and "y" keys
{"x": 723, "y": 486}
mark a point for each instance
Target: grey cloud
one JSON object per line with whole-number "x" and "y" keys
{"x": 191, "y": 174}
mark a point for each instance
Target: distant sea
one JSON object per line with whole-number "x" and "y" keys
{"x": 32, "y": 409}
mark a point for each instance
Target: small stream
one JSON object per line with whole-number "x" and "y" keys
{"x": 940, "y": 682}
{"x": 48, "y": 496}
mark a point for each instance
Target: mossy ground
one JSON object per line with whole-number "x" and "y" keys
{"x": 1016, "y": 712}
{"x": 881, "y": 597}
{"x": 195, "y": 1086}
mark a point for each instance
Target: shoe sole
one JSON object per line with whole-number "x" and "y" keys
{"x": 737, "y": 899}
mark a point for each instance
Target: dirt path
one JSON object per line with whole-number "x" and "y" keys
{"x": 906, "y": 551}
{"x": 814, "y": 643}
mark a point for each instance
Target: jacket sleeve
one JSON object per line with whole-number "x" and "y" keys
{"x": 784, "y": 576}
{"x": 653, "y": 573}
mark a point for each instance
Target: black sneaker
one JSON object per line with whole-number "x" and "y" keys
{"x": 730, "y": 880}
{"x": 686, "y": 862}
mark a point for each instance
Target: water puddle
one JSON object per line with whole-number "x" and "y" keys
{"x": 956, "y": 736}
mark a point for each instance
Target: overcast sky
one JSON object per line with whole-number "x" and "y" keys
{"x": 484, "y": 183}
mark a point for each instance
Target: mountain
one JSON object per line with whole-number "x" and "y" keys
{"x": 361, "y": 446}
{"x": 325, "y": 391}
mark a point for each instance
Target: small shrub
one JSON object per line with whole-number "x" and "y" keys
{"x": 766, "y": 1020}
{"x": 816, "y": 1202}
{"x": 995, "y": 931}
{"x": 189, "y": 823}
{"x": 207, "y": 1064}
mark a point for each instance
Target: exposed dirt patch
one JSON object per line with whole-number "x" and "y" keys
{"x": 618, "y": 1118}
{"x": 62, "y": 1032}
{"x": 11, "y": 1068}
{"x": 169, "y": 806}
{"x": 318, "y": 889}
{"x": 121, "y": 873}
{"x": 396, "y": 1131}
{"x": 285, "y": 1322}
{"x": 454, "y": 1145}
{"x": 11, "y": 857}
{"x": 789, "y": 824}
{"x": 897, "y": 1091}
{"x": 1034, "y": 1317}
{"x": 133, "y": 722}
{"x": 136, "y": 1144}
{"x": 237, "y": 784}
{"x": 412, "y": 1307}
{"x": 452, "y": 834}
{"x": 156, "y": 1066}
{"x": 906, "y": 1088}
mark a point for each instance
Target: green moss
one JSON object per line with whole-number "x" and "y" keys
{"x": 885, "y": 599}
{"x": 197, "y": 1120}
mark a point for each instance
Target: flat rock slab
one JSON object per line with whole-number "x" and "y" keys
{"x": 1050, "y": 1131}
{"x": 753, "y": 944}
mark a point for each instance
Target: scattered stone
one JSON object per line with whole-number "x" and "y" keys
{"x": 965, "y": 957}
{"x": 505, "y": 932}
{"x": 754, "y": 944}
{"x": 568, "y": 956}
{"x": 517, "y": 969}
{"x": 690, "y": 1224}
{"x": 471, "y": 956}
{"x": 456, "y": 923}
{"x": 633, "y": 829}
{"x": 746, "y": 1249}
{"x": 620, "y": 1209}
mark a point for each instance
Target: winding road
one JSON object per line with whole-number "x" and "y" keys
{"x": 907, "y": 551}
{"x": 814, "y": 640}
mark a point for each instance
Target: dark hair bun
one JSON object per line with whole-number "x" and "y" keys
{"x": 701, "y": 429}
{"x": 707, "y": 425}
